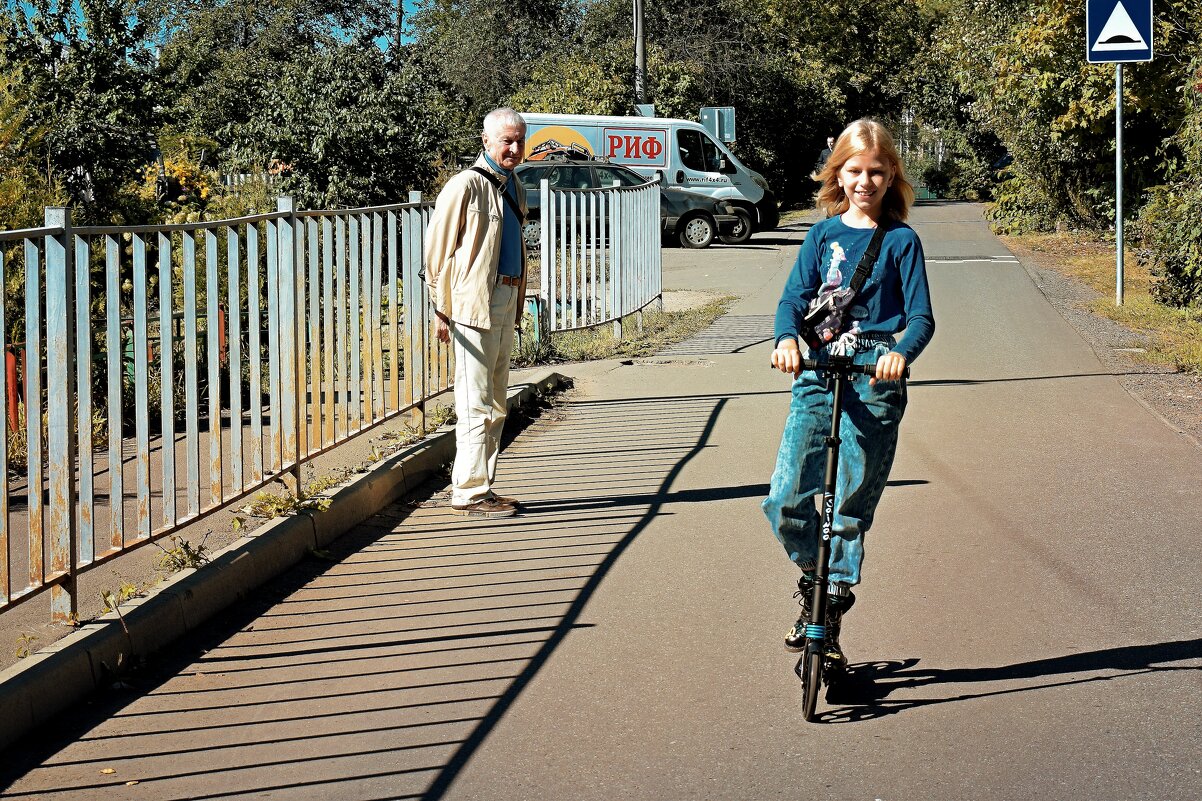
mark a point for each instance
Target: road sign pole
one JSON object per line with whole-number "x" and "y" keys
{"x": 1118, "y": 183}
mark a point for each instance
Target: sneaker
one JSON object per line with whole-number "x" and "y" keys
{"x": 834, "y": 660}
{"x": 486, "y": 507}
{"x": 796, "y": 637}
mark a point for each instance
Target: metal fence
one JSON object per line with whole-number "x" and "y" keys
{"x": 600, "y": 254}
{"x": 170, "y": 370}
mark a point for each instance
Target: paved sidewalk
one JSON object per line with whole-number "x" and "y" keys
{"x": 384, "y": 669}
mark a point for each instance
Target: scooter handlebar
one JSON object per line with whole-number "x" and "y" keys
{"x": 843, "y": 366}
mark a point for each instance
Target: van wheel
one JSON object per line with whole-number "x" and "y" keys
{"x": 741, "y": 232}
{"x": 697, "y": 232}
{"x": 532, "y": 232}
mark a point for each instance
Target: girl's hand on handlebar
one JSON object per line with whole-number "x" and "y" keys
{"x": 787, "y": 357}
{"x": 890, "y": 367}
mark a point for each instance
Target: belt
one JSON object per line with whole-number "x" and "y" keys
{"x": 875, "y": 338}
{"x": 509, "y": 280}
{"x": 867, "y": 341}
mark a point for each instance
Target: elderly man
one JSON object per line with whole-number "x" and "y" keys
{"x": 475, "y": 267}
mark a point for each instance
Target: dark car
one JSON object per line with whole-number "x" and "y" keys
{"x": 691, "y": 218}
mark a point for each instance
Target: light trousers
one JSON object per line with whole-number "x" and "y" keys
{"x": 481, "y": 383}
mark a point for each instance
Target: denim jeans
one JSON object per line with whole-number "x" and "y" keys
{"x": 871, "y": 416}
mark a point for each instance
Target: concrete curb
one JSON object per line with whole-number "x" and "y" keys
{"x": 64, "y": 673}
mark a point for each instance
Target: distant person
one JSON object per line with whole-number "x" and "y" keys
{"x": 863, "y": 187}
{"x": 475, "y": 267}
{"x": 824, "y": 157}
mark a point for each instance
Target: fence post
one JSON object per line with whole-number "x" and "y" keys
{"x": 546, "y": 259}
{"x": 289, "y": 380}
{"x": 640, "y": 270}
{"x": 417, "y": 326}
{"x": 617, "y": 269}
{"x": 60, "y": 439}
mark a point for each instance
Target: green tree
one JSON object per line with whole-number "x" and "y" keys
{"x": 1020, "y": 64}
{"x": 478, "y": 53}
{"x": 348, "y": 129}
{"x": 865, "y": 50}
{"x": 86, "y": 79}
{"x": 220, "y": 58}
{"x": 1170, "y": 224}
{"x": 712, "y": 52}
{"x": 574, "y": 83}
{"x": 25, "y": 190}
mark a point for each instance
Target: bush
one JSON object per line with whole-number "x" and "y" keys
{"x": 1169, "y": 231}
{"x": 1169, "y": 227}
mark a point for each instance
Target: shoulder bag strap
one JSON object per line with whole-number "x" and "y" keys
{"x": 864, "y": 269}
{"x": 513, "y": 204}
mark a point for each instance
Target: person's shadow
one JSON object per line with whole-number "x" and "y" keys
{"x": 864, "y": 693}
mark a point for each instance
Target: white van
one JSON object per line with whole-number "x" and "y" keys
{"x": 682, "y": 152}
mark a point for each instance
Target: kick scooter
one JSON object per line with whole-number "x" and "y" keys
{"x": 813, "y": 668}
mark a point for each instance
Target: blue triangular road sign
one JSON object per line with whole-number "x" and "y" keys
{"x": 1118, "y": 30}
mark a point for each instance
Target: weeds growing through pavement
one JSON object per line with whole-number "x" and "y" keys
{"x": 25, "y": 645}
{"x": 114, "y": 599}
{"x": 271, "y": 504}
{"x": 182, "y": 555}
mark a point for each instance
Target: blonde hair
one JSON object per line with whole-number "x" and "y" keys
{"x": 863, "y": 136}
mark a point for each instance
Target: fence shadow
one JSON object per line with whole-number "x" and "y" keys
{"x": 731, "y": 333}
{"x": 379, "y": 668}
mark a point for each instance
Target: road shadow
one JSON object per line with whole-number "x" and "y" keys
{"x": 936, "y": 202}
{"x": 968, "y": 382}
{"x": 865, "y": 693}
{"x": 730, "y": 333}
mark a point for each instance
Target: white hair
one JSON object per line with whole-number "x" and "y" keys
{"x": 503, "y": 116}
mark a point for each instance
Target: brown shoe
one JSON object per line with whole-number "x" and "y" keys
{"x": 511, "y": 501}
{"x": 486, "y": 507}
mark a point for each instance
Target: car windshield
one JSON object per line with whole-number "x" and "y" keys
{"x": 608, "y": 175}
{"x": 572, "y": 176}
{"x": 531, "y": 177}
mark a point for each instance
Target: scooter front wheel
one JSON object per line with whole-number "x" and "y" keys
{"x": 809, "y": 669}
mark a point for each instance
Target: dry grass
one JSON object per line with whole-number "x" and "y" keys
{"x": 1173, "y": 336}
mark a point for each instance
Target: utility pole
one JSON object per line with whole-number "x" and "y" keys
{"x": 640, "y": 55}
{"x": 400, "y": 23}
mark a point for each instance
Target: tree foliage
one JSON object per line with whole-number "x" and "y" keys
{"x": 1020, "y": 64}
{"x": 988, "y": 98}
{"x": 87, "y": 83}
{"x": 221, "y": 58}
{"x": 26, "y": 185}
{"x": 1170, "y": 223}
{"x": 480, "y": 52}
{"x": 349, "y": 130}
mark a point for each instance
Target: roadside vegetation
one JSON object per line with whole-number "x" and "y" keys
{"x": 136, "y": 111}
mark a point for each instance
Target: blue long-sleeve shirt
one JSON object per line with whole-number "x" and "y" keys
{"x": 511, "y": 230}
{"x": 895, "y": 297}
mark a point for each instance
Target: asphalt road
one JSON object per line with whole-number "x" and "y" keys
{"x": 1028, "y": 626}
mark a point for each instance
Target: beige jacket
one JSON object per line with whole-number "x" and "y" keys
{"x": 463, "y": 247}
